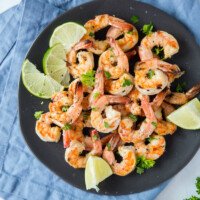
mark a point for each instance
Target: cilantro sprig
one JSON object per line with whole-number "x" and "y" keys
{"x": 134, "y": 19}
{"x": 126, "y": 82}
{"x": 143, "y": 163}
{"x": 37, "y": 114}
{"x": 147, "y": 28}
{"x": 198, "y": 190}
{"x": 88, "y": 78}
{"x": 180, "y": 87}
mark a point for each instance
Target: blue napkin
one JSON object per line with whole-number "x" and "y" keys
{"x": 22, "y": 176}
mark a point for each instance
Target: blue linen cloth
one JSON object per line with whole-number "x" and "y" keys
{"x": 22, "y": 176}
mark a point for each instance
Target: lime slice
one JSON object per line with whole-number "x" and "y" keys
{"x": 187, "y": 116}
{"x": 37, "y": 83}
{"x": 97, "y": 169}
{"x": 67, "y": 34}
{"x": 54, "y": 64}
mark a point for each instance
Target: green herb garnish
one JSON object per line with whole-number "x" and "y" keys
{"x": 179, "y": 87}
{"x": 150, "y": 74}
{"x": 37, "y": 114}
{"x": 150, "y": 139}
{"x": 143, "y": 163}
{"x": 133, "y": 117}
{"x": 108, "y": 146}
{"x": 65, "y": 108}
{"x": 147, "y": 28}
{"x": 88, "y": 78}
{"x": 42, "y": 103}
{"x": 91, "y": 34}
{"x": 95, "y": 137}
{"x": 111, "y": 48}
{"x": 154, "y": 124}
{"x": 130, "y": 32}
{"x": 106, "y": 125}
{"x": 96, "y": 95}
{"x": 134, "y": 19}
{"x": 94, "y": 108}
{"x": 67, "y": 127}
{"x": 107, "y": 74}
{"x": 85, "y": 116}
{"x": 198, "y": 190}
{"x": 126, "y": 82}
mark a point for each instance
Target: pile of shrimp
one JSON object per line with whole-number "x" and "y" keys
{"x": 112, "y": 105}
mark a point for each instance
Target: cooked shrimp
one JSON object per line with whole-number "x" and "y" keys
{"x": 152, "y": 76}
{"x": 113, "y": 117}
{"x": 72, "y": 113}
{"x": 128, "y": 163}
{"x": 114, "y": 60}
{"x": 85, "y": 59}
{"x": 120, "y": 86}
{"x": 153, "y": 150}
{"x": 135, "y": 105}
{"x": 76, "y": 131}
{"x": 159, "y": 38}
{"x": 128, "y": 134}
{"x": 87, "y": 90}
{"x": 72, "y": 154}
{"x": 121, "y": 108}
{"x": 129, "y": 40}
{"x": 182, "y": 98}
{"x": 165, "y": 127}
{"x": 98, "y": 88}
{"x": 100, "y": 22}
{"x": 45, "y": 131}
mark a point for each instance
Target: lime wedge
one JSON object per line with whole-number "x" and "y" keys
{"x": 187, "y": 116}
{"x": 97, "y": 170}
{"x": 54, "y": 64}
{"x": 37, "y": 83}
{"x": 67, "y": 34}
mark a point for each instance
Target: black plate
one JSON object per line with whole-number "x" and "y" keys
{"x": 180, "y": 148}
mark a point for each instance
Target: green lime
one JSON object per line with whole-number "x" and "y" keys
{"x": 96, "y": 170}
{"x": 187, "y": 116}
{"x": 54, "y": 64}
{"x": 38, "y": 83}
{"x": 68, "y": 34}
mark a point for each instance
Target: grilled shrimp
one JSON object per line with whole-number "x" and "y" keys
{"x": 72, "y": 154}
{"x": 98, "y": 88}
{"x": 153, "y": 75}
{"x": 114, "y": 60}
{"x": 129, "y": 40}
{"x": 113, "y": 117}
{"x": 153, "y": 150}
{"x": 182, "y": 98}
{"x": 85, "y": 59}
{"x": 76, "y": 131}
{"x": 45, "y": 131}
{"x": 71, "y": 114}
{"x": 126, "y": 131}
{"x": 100, "y": 22}
{"x": 159, "y": 38}
{"x": 128, "y": 163}
{"x": 120, "y": 86}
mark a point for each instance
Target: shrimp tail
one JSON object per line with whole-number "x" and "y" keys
{"x": 193, "y": 91}
{"x": 85, "y": 44}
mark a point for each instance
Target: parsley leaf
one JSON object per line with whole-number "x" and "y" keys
{"x": 91, "y": 34}
{"x": 95, "y": 137}
{"x": 65, "y": 108}
{"x": 111, "y": 49}
{"x": 154, "y": 124}
{"x": 134, "y": 19}
{"x": 107, "y": 74}
{"x": 140, "y": 170}
{"x": 198, "y": 185}
{"x": 133, "y": 117}
{"x": 108, "y": 146}
{"x": 85, "y": 116}
{"x": 179, "y": 87}
{"x": 96, "y": 95}
{"x": 106, "y": 125}
{"x": 130, "y": 32}
{"x": 147, "y": 28}
{"x": 67, "y": 127}
{"x": 88, "y": 78}
{"x": 150, "y": 139}
{"x": 143, "y": 163}
{"x": 94, "y": 108}
{"x": 37, "y": 114}
{"x": 126, "y": 82}
{"x": 151, "y": 74}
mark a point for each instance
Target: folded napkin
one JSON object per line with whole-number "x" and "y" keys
{"x": 22, "y": 176}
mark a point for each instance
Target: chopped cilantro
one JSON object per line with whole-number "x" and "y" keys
{"x": 134, "y": 19}
{"x": 147, "y": 28}
{"x": 88, "y": 78}
{"x": 37, "y": 114}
